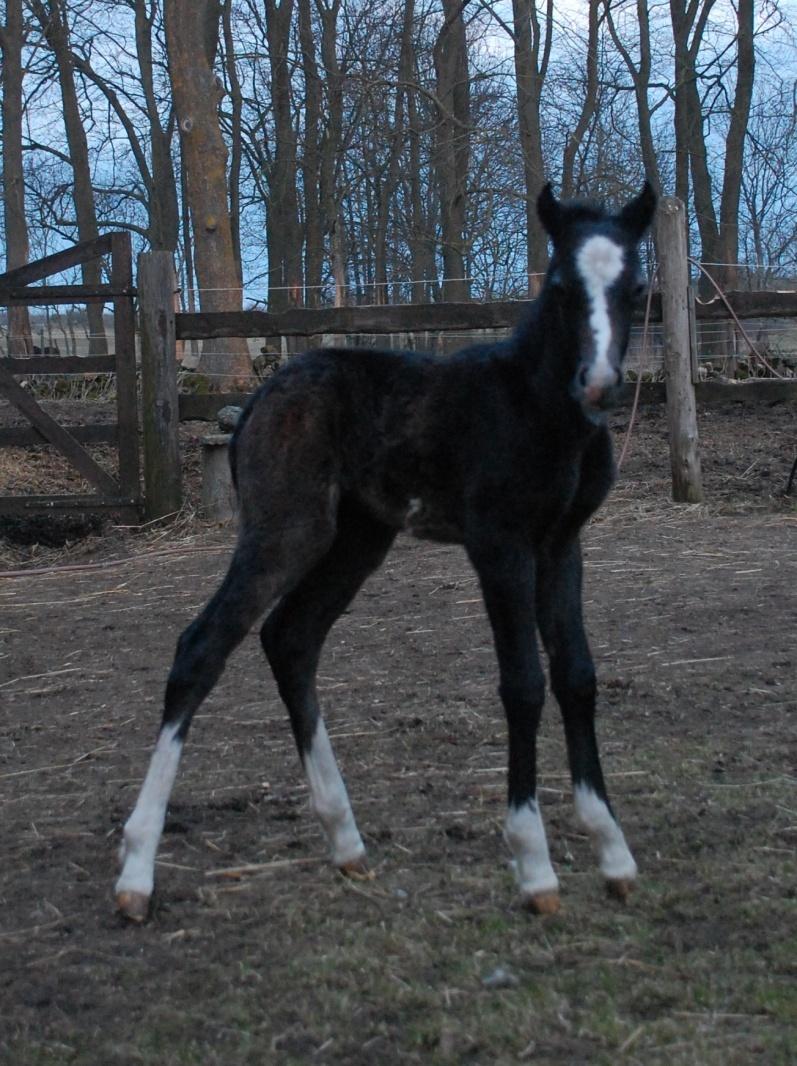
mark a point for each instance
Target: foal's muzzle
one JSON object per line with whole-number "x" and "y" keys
{"x": 596, "y": 391}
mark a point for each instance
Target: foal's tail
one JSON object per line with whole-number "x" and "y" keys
{"x": 232, "y": 451}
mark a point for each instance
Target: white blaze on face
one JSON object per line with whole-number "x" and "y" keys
{"x": 616, "y": 861}
{"x": 330, "y": 800}
{"x": 600, "y": 263}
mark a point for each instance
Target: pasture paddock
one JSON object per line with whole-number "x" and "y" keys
{"x": 257, "y": 952}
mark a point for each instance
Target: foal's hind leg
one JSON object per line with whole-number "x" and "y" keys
{"x": 573, "y": 683}
{"x": 292, "y": 638}
{"x": 258, "y": 574}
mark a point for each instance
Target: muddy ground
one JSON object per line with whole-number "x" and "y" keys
{"x": 691, "y": 612}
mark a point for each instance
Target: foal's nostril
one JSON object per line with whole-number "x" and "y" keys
{"x": 595, "y": 388}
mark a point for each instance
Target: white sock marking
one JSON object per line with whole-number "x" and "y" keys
{"x": 616, "y": 861}
{"x": 525, "y": 835}
{"x": 144, "y": 826}
{"x": 600, "y": 263}
{"x": 329, "y": 799}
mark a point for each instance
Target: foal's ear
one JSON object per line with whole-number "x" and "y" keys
{"x": 638, "y": 213}
{"x": 550, "y": 211}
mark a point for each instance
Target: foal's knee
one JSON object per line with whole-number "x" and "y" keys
{"x": 524, "y": 695}
{"x": 575, "y": 678}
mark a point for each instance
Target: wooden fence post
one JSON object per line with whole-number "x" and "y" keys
{"x": 676, "y": 334}
{"x": 162, "y": 479}
{"x": 124, "y": 332}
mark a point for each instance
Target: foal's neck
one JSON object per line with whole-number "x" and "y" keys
{"x": 544, "y": 349}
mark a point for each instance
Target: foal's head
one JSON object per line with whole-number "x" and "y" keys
{"x": 595, "y": 282}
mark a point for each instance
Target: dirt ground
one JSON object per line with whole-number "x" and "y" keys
{"x": 257, "y": 952}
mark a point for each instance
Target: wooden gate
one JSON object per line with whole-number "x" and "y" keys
{"x": 120, "y": 495}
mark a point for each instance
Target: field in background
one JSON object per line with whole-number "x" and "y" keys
{"x": 257, "y": 952}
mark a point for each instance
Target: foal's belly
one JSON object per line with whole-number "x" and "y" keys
{"x": 431, "y": 522}
{"x": 421, "y": 517}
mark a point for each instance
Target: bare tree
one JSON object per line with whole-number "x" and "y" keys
{"x": 283, "y": 232}
{"x": 532, "y": 54}
{"x": 20, "y": 341}
{"x": 640, "y": 73}
{"x": 590, "y": 101}
{"x": 156, "y": 172}
{"x": 311, "y": 156}
{"x": 452, "y": 156}
{"x": 768, "y": 224}
{"x": 389, "y": 174}
{"x": 191, "y": 39}
{"x": 735, "y": 142}
{"x": 52, "y": 16}
{"x": 160, "y": 180}
{"x": 332, "y": 149}
{"x": 236, "y": 131}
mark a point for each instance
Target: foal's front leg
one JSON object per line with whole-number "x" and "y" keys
{"x": 506, "y": 574}
{"x": 559, "y": 602}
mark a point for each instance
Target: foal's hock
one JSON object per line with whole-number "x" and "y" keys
{"x": 502, "y": 448}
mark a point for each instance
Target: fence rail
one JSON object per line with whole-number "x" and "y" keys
{"x": 420, "y": 318}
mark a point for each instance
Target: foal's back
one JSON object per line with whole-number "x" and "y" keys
{"x": 417, "y": 439}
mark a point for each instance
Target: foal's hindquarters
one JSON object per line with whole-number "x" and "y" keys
{"x": 306, "y": 549}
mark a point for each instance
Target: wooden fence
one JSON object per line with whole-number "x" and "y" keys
{"x": 118, "y": 494}
{"x": 671, "y": 309}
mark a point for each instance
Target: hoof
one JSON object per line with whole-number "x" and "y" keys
{"x": 357, "y": 869}
{"x": 619, "y": 888}
{"x": 542, "y": 903}
{"x": 133, "y": 905}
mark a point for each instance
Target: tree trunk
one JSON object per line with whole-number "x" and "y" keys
{"x": 52, "y": 18}
{"x": 453, "y": 147}
{"x": 311, "y": 159}
{"x": 589, "y": 107}
{"x": 421, "y": 245}
{"x": 20, "y": 341}
{"x": 734, "y": 144}
{"x": 691, "y": 19}
{"x": 236, "y": 150}
{"x": 532, "y": 51}
{"x": 641, "y": 78}
{"x": 283, "y": 232}
{"x": 191, "y": 41}
{"x": 397, "y": 135}
{"x": 188, "y": 352}
{"x": 331, "y": 159}
{"x": 164, "y": 221}
{"x": 680, "y": 30}
{"x": 718, "y": 240}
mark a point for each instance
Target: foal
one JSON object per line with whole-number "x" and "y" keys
{"x": 502, "y": 448}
